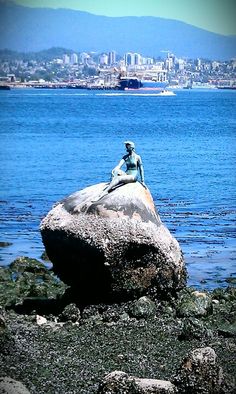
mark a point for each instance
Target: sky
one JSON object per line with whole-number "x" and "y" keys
{"x": 217, "y": 16}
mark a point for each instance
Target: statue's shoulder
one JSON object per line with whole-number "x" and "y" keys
{"x": 125, "y": 157}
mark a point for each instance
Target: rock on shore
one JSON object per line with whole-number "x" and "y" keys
{"x": 113, "y": 248}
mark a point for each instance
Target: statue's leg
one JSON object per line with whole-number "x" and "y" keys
{"x": 116, "y": 181}
{"x": 120, "y": 180}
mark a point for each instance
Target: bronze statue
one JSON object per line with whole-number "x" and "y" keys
{"x": 134, "y": 167}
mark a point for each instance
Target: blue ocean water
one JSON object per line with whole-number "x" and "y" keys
{"x": 54, "y": 142}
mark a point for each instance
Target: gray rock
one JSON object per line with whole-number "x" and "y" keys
{"x": 143, "y": 308}
{"x": 194, "y": 303}
{"x": 120, "y": 382}
{"x": 11, "y": 386}
{"x": 115, "y": 247}
{"x": 200, "y": 374}
{"x": 193, "y": 328}
{"x": 70, "y": 313}
{"x": 28, "y": 278}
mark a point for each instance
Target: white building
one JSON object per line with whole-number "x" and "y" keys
{"x": 132, "y": 59}
{"x": 83, "y": 57}
{"x": 169, "y": 63}
{"x": 181, "y": 64}
{"x": 66, "y": 59}
{"x": 103, "y": 59}
{"x": 74, "y": 58}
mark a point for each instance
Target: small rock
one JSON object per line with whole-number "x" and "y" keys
{"x": 199, "y": 373}
{"x": 193, "y": 328}
{"x": 11, "y": 386}
{"x": 124, "y": 316}
{"x": 110, "y": 315}
{"x": 194, "y": 303}
{"x": 120, "y": 382}
{"x": 70, "y": 313}
{"x": 143, "y": 308}
{"x": 40, "y": 320}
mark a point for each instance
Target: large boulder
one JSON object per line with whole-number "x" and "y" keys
{"x": 114, "y": 247}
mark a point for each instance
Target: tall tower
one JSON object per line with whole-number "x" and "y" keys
{"x": 129, "y": 59}
{"x": 111, "y": 58}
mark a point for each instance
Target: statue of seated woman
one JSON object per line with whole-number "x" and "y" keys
{"x": 134, "y": 167}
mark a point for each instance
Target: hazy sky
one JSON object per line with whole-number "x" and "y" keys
{"x": 214, "y": 15}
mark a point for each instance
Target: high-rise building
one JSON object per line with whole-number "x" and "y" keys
{"x": 66, "y": 59}
{"x": 169, "y": 63}
{"x": 181, "y": 64}
{"x": 129, "y": 59}
{"x": 83, "y": 57}
{"x": 103, "y": 59}
{"x": 112, "y": 58}
{"x": 74, "y": 58}
{"x": 132, "y": 59}
{"x": 137, "y": 59}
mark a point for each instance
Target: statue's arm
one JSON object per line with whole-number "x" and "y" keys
{"x": 141, "y": 170}
{"x": 118, "y": 166}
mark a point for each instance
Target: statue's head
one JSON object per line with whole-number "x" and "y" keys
{"x": 129, "y": 145}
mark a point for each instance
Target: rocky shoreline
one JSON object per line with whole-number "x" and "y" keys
{"x": 52, "y": 344}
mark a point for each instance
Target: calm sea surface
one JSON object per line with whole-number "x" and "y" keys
{"x": 56, "y": 142}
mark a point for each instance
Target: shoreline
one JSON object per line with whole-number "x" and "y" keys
{"x": 217, "y": 276}
{"x": 61, "y": 346}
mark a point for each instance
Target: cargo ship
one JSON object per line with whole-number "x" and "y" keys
{"x": 144, "y": 84}
{"x": 5, "y": 87}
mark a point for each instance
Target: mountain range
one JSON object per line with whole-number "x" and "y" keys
{"x": 33, "y": 29}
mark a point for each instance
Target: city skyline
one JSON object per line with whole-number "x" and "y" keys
{"x": 212, "y": 15}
